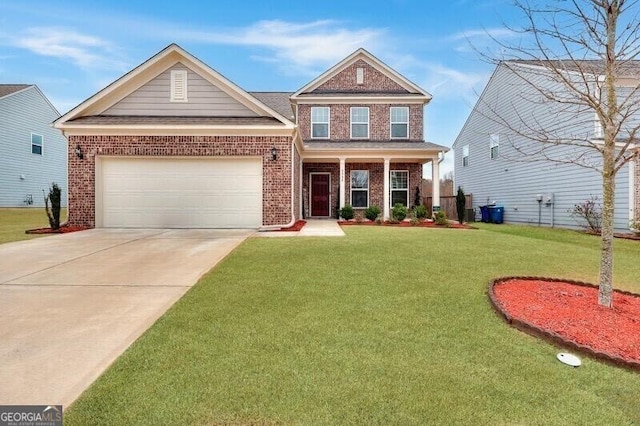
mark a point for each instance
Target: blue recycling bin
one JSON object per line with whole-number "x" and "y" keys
{"x": 484, "y": 212}
{"x": 496, "y": 214}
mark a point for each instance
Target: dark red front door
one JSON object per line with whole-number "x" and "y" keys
{"x": 320, "y": 195}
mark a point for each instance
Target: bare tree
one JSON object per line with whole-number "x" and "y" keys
{"x": 577, "y": 58}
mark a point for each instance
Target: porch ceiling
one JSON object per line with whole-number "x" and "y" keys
{"x": 371, "y": 151}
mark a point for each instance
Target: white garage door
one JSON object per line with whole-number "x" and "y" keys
{"x": 179, "y": 193}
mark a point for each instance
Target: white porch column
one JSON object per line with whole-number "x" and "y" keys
{"x": 385, "y": 189}
{"x": 342, "y": 182}
{"x": 435, "y": 180}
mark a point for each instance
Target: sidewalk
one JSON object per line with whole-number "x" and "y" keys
{"x": 313, "y": 228}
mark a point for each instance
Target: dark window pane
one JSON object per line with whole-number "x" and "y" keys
{"x": 359, "y": 130}
{"x": 358, "y": 198}
{"x": 399, "y": 197}
{"x": 36, "y": 149}
{"x": 320, "y": 131}
{"x": 398, "y": 130}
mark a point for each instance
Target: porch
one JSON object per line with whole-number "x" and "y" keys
{"x": 328, "y": 184}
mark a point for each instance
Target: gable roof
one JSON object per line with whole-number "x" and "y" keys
{"x": 136, "y": 78}
{"x": 362, "y": 54}
{"x": 9, "y": 89}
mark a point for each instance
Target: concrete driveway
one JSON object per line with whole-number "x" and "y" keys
{"x": 71, "y": 304}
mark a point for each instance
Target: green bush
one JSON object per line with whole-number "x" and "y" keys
{"x": 461, "y": 202}
{"x": 372, "y": 212}
{"x": 420, "y": 212}
{"x": 399, "y": 212}
{"x": 441, "y": 218}
{"x": 53, "y": 212}
{"x": 347, "y": 212}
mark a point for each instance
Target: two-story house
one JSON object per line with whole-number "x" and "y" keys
{"x": 498, "y": 161}
{"x": 33, "y": 155}
{"x": 175, "y": 144}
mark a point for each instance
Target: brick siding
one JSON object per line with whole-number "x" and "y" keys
{"x": 276, "y": 182}
{"x": 379, "y": 121}
{"x": 376, "y": 181}
{"x": 374, "y": 81}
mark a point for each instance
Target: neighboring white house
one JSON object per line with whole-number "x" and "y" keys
{"x": 32, "y": 153}
{"x": 490, "y": 165}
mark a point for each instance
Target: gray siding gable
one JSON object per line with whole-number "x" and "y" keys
{"x": 513, "y": 181}
{"x": 21, "y": 172}
{"x": 204, "y": 99}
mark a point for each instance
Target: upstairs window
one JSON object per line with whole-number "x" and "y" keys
{"x": 359, "y": 188}
{"x": 465, "y": 156}
{"x": 36, "y": 144}
{"x": 179, "y": 86}
{"x": 359, "y": 122}
{"x": 319, "y": 122}
{"x": 399, "y": 122}
{"x": 494, "y": 143}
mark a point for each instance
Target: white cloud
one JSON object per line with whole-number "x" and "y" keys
{"x": 488, "y": 33}
{"x": 448, "y": 83}
{"x": 304, "y": 46}
{"x": 83, "y": 50}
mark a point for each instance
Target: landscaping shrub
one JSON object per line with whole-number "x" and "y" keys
{"x": 347, "y": 212}
{"x": 53, "y": 212}
{"x": 441, "y": 218}
{"x": 461, "y": 201}
{"x": 420, "y": 212}
{"x": 399, "y": 212}
{"x": 589, "y": 214}
{"x": 372, "y": 212}
{"x": 417, "y": 199}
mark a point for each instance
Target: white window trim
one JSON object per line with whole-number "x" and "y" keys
{"x": 391, "y": 122}
{"x": 494, "y": 142}
{"x": 41, "y": 143}
{"x": 351, "y": 188}
{"x": 174, "y": 76}
{"x": 391, "y": 190}
{"x": 465, "y": 155}
{"x": 328, "y": 123}
{"x": 359, "y": 76}
{"x": 351, "y": 123}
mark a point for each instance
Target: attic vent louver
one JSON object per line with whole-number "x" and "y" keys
{"x": 178, "y": 86}
{"x": 359, "y": 75}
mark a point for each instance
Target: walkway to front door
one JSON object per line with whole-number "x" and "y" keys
{"x": 320, "y": 197}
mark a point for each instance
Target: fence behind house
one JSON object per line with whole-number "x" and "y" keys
{"x": 448, "y": 204}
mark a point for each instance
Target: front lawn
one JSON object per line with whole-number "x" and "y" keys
{"x": 384, "y": 326}
{"x": 14, "y": 221}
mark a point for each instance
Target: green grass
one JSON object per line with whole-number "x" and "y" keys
{"x": 385, "y": 326}
{"x": 14, "y": 221}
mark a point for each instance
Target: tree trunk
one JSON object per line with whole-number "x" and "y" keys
{"x": 605, "y": 290}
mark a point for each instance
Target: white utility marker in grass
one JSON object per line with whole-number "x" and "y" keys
{"x": 569, "y": 359}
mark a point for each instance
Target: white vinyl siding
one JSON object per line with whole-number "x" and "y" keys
{"x": 494, "y": 143}
{"x": 320, "y": 122}
{"x": 36, "y": 144}
{"x": 515, "y": 184}
{"x": 360, "y": 188}
{"x": 24, "y": 175}
{"x": 399, "y": 122}
{"x": 359, "y": 122}
{"x": 179, "y": 87}
{"x": 205, "y": 99}
{"x": 399, "y": 187}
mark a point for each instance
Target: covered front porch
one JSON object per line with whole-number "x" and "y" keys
{"x": 364, "y": 179}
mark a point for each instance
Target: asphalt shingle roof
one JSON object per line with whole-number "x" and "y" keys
{"x": 7, "y": 89}
{"x": 277, "y": 101}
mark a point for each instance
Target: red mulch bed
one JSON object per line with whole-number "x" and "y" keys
{"x": 62, "y": 230}
{"x": 295, "y": 227}
{"x": 425, "y": 224}
{"x": 567, "y": 312}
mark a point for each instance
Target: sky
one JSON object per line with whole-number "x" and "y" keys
{"x": 73, "y": 49}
